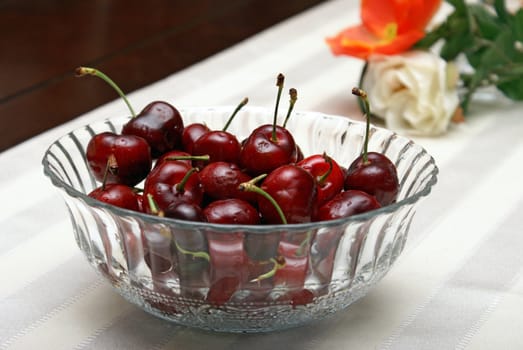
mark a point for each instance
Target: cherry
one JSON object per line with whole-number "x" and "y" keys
{"x": 329, "y": 176}
{"x": 185, "y": 210}
{"x": 269, "y": 146}
{"x": 261, "y": 153}
{"x": 180, "y": 156}
{"x": 377, "y": 176}
{"x": 118, "y": 195}
{"x": 170, "y": 182}
{"x": 372, "y": 172}
{"x": 220, "y": 145}
{"x": 222, "y": 289}
{"x": 345, "y": 204}
{"x": 160, "y": 124}
{"x": 228, "y": 266}
{"x": 191, "y": 133}
{"x": 220, "y": 180}
{"x": 287, "y": 195}
{"x": 298, "y": 297}
{"x": 131, "y": 158}
{"x": 231, "y": 211}
{"x": 174, "y": 155}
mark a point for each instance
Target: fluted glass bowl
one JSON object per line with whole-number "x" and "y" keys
{"x": 205, "y": 275}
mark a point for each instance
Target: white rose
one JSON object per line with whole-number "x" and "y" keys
{"x": 414, "y": 92}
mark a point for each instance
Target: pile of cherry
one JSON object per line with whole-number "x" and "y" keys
{"x": 190, "y": 172}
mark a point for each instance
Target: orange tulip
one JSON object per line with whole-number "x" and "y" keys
{"x": 388, "y": 27}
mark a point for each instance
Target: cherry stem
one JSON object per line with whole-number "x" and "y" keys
{"x": 323, "y": 178}
{"x": 204, "y": 157}
{"x": 279, "y": 83}
{"x": 278, "y": 263}
{"x": 363, "y": 95}
{"x": 180, "y": 188}
{"x": 294, "y": 96}
{"x": 250, "y": 186}
{"x": 240, "y": 106}
{"x": 155, "y": 210}
{"x": 110, "y": 167}
{"x": 194, "y": 254}
{"x": 83, "y": 71}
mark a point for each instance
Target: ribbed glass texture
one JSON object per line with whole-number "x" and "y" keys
{"x": 218, "y": 277}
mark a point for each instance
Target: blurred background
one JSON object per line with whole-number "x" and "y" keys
{"x": 134, "y": 42}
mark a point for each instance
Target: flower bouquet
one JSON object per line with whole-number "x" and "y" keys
{"x": 412, "y": 76}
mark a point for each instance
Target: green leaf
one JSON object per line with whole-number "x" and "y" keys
{"x": 431, "y": 37}
{"x": 455, "y": 45}
{"x": 475, "y": 56}
{"x": 513, "y": 89}
{"x": 459, "y": 5}
{"x": 501, "y": 11}
{"x": 517, "y": 25}
{"x": 505, "y": 44}
{"x": 487, "y": 24}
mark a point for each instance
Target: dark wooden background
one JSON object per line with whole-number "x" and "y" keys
{"x": 138, "y": 42}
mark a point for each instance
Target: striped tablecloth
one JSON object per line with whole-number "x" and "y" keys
{"x": 458, "y": 284}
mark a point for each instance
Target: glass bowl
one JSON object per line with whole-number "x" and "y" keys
{"x": 207, "y": 275}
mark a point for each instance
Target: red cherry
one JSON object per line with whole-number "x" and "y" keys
{"x": 171, "y": 182}
{"x": 287, "y": 195}
{"x": 117, "y": 194}
{"x": 220, "y": 180}
{"x": 376, "y": 176}
{"x": 222, "y": 290}
{"x": 329, "y": 176}
{"x": 231, "y": 211}
{"x": 270, "y": 146}
{"x": 228, "y": 266}
{"x": 220, "y": 145}
{"x": 372, "y": 172}
{"x": 191, "y": 133}
{"x": 181, "y": 156}
{"x": 262, "y": 153}
{"x": 183, "y": 210}
{"x": 174, "y": 154}
{"x": 345, "y": 204}
{"x": 160, "y": 124}
{"x": 298, "y": 297}
{"x": 132, "y": 158}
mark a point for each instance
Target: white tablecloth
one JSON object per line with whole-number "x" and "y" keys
{"x": 458, "y": 283}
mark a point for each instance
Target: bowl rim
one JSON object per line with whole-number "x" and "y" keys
{"x": 183, "y": 224}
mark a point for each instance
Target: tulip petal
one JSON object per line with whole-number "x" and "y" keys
{"x": 377, "y": 14}
{"x": 415, "y": 14}
{"x": 360, "y": 42}
{"x": 408, "y": 14}
{"x": 388, "y": 27}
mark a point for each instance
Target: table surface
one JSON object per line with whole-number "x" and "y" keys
{"x": 458, "y": 283}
